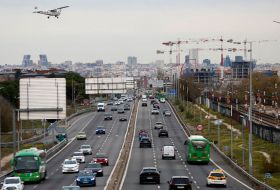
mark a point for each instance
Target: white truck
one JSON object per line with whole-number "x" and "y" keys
{"x": 100, "y": 107}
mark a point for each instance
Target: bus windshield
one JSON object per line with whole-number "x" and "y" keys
{"x": 199, "y": 145}
{"x": 26, "y": 163}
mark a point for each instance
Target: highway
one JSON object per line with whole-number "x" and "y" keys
{"x": 110, "y": 143}
{"x": 152, "y": 156}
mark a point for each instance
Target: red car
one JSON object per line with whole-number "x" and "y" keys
{"x": 101, "y": 158}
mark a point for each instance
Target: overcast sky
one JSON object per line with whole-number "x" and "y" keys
{"x": 114, "y": 29}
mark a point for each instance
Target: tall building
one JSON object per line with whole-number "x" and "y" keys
{"x": 206, "y": 62}
{"x": 27, "y": 61}
{"x": 131, "y": 60}
{"x": 193, "y": 56}
{"x": 227, "y": 61}
{"x": 99, "y": 62}
{"x": 43, "y": 60}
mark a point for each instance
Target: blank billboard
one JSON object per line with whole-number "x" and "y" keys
{"x": 42, "y": 98}
{"x": 109, "y": 85}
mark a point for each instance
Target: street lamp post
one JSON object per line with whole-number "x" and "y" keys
{"x": 219, "y": 123}
{"x": 250, "y": 115}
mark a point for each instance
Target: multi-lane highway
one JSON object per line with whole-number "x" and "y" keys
{"x": 143, "y": 157}
{"x": 110, "y": 143}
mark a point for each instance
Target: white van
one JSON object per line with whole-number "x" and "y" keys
{"x": 100, "y": 107}
{"x": 168, "y": 151}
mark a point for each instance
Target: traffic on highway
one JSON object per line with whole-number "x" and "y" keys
{"x": 162, "y": 155}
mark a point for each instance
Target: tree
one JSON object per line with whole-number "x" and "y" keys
{"x": 6, "y": 115}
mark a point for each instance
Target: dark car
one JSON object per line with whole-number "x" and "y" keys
{"x": 164, "y": 110}
{"x": 101, "y": 158}
{"x": 180, "y": 182}
{"x": 163, "y": 133}
{"x": 100, "y": 130}
{"x": 145, "y": 142}
{"x": 144, "y": 104}
{"x": 156, "y": 105}
{"x": 114, "y": 108}
{"x": 153, "y": 102}
{"x": 86, "y": 178}
{"x": 126, "y": 107}
{"x": 123, "y": 118}
{"x": 110, "y": 103}
{"x": 149, "y": 175}
{"x": 95, "y": 168}
{"x": 108, "y": 116}
{"x": 142, "y": 133}
{"x": 120, "y": 110}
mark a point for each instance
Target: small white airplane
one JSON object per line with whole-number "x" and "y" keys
{"x": 276, "y": 21}
{"x": 54, "y": 12}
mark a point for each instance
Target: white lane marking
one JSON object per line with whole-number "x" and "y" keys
{"x": 72, "y": 124}
{"x": 126, "y": 167}
{"x": 158, "y": 187}
{"x": 211, "y": 159}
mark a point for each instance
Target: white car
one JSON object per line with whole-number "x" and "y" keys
{"x": 217, "y": 177}
{"x": 70, "y": 165}
{"x": 86, "y": 149}
{"x": 117, "y": 103}
{"x": 79, "y": 156}
{"x": 155, "y": 111}
{"x": 14, "y": 183}
{"x": 162, "y": 100}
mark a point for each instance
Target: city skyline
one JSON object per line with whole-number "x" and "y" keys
{"x": 91, "y": 30}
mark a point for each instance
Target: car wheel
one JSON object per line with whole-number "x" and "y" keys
{"x": 158, "y": 182}
{"x": 162, "y": 157}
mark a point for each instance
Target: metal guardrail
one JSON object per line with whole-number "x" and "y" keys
{"x": 257, "y": 184}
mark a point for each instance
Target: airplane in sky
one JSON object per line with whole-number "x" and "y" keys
{"x": 53, "y": 12}
{"x": 276, "y": 22}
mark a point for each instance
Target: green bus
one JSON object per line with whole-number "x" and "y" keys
{"x": 198, "y": 149}
{"x": 30, "y": 165}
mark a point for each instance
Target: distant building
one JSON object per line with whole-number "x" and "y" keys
{"x": 238, "y": 59}
{"x": 99, "y": 62}
{"x": 240, "y": 69}
{"x": 43, "y": 60}
{"x": 131, "y": 60}
{"x": 193, "y": 56}
{"x": 227, "y": 61}
{"x": 26, "y": 62}
{"x": 206, "y": 62}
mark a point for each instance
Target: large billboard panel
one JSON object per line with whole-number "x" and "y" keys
{"x": 42, "y": 98}
{"x": 109, "y": 85}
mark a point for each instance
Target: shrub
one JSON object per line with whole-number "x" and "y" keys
{"x": 181, "y": 108}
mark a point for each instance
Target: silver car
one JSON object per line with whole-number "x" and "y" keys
{"x": 86, "y": 149}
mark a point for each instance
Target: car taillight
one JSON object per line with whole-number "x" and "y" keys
{"x": 211, "y": 177}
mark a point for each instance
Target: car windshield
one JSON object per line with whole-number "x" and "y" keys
{"x": 158, "y": 123}
{"x": 81, "y": 133}
{"x": 149, "y": 170}
{"x": 71, "y": 188}
{"x": 66, "y": 162}
{"x": 78, "y": 154}
{"x": 100, "y": 156}
{"x": 108, "y": 114}
{"x": 99, "y": 127}
{"x": 180, "y": 180}
{"x": 26, "y": 163}
{"x": 11, "y": 181}
{"x": 84, "y": 173}
{"x": 199, "y": 145}
{"x": 85, "y": 146}
{"x": 94, "y": 165}
{"x": 217, "y": 174}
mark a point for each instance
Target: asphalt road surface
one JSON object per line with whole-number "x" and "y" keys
{"x": 144, "y": 157}
{"x": 110, "y": 143}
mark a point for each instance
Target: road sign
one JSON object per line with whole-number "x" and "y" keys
{"x": 199, "y": 127}
{"x": 218, "y": 122}
{"x": 172, "y": 91}
{"x": 267, "y": 176}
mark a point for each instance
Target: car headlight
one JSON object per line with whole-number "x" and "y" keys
{"x": 99, "y": 171}
{"x": 92, "y": 178}
{"x": 78, "y": 179}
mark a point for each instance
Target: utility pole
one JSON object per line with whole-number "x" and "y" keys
{"x": 250, "y": 114}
